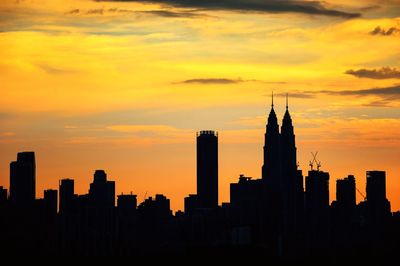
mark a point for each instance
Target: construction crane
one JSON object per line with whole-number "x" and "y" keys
{"x": 359, "y": 192}
{"x": 314, "y": 160}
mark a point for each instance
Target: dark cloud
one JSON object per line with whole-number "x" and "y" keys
{"x": 226, "y": 81}
{"x": 213, "y": 81}
{"x": 27, "y": 28}
{"x": 160, "y": 13}
{"x": 271, "y": 82}
{"x": 264, "y": 6}
{"x": 369, "y": 8}
{"x": 171, "y": 14}
{"x": 386, "y": 93}
{"x": 99, "y": 11}
{"x": 381, "y": 31}
{"x": 379, "y": 103}
{"x": 73, "y": 12}
{"x": 383, "y": 73}
{"x": 301, "y": 95}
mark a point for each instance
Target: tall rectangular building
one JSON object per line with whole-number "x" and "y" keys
{"x": 102, "y": 192}
{"x": 376, "y": 185}
{"x": 317, "y": 192}
{"x": 317, "y": 209}
{"x": 378, "y": 206}
{"x": 346, "y": 192}
{"x": 207, "y": 169}
{"x": 23, "y": 179}
{"x": 66, "y": 188}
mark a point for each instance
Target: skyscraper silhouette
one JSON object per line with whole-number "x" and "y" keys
{"x": 101, "y": 191}
{"x": 376, "y": 186}
{"x": 377, "y": 204}
{"x": 246, "y": 206}
{"x": 317, "y": 192}
{"x": 292, "y": 182}
{"x": 343, "y": 214}
{"x": 346, "y": 192}
{"x": 288, "y": 146}
{"x": 283, "y": 200}
{"x": 66, "y": 188}
{"x": 23, "y": 179}
{"x": 207, "y": 169}
{"x": 271, "y": 169}
{"x": 317, "y": 210}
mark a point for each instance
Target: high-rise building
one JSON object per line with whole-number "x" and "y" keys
{"x": 317, "y": 192}
{"x": 66, "y": 188}
{"x": 343, "y": 209}
{"x": 23, "y": 179}
{"x": 346, "y": 192}
{"x": 288, "y": 145}
{"x": 283, "y": 193}
{"x": 126, "y": 202}
{"x": 317, "y": 208}
{"x": 292, "y": 178}
{"x": 50, "y": 201}
{"x": 376, "y": 186}
{"x": 271, "y": 169}
{"x": 246, "y": 198}
{"x": 377, "y": 204}
{"x": 102, "y": 192}
{"x": 207, "y": 169}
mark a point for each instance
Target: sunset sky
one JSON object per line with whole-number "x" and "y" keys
{"x": 124, "y": 86}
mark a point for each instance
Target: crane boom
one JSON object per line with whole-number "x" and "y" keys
{"x": 359, "y": 192}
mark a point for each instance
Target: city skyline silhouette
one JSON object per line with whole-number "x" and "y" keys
{"x": 224, "y": 128}
{"x": 117, "y": 85}
{"x": 283, "y": 214}
{"x": 313, "y": 163}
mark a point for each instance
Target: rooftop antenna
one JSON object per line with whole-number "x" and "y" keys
{"x": 287, "y": 101}
{"x": 272, "y": 105}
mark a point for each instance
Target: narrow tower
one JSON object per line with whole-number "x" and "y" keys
{"x": 207, "y": 169}
{"x": 288, "y": 145}
{"x": 292, "y": 184}
{"x": 271, "y": 170}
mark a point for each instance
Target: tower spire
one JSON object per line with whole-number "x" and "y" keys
{"x": 287, "y": 101}
{"x": 272, "y": 105}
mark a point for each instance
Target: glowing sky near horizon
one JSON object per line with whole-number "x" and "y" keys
{"x": 124, "y": 86}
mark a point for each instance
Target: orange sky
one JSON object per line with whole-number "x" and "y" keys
{"x": 124, "y": 87}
